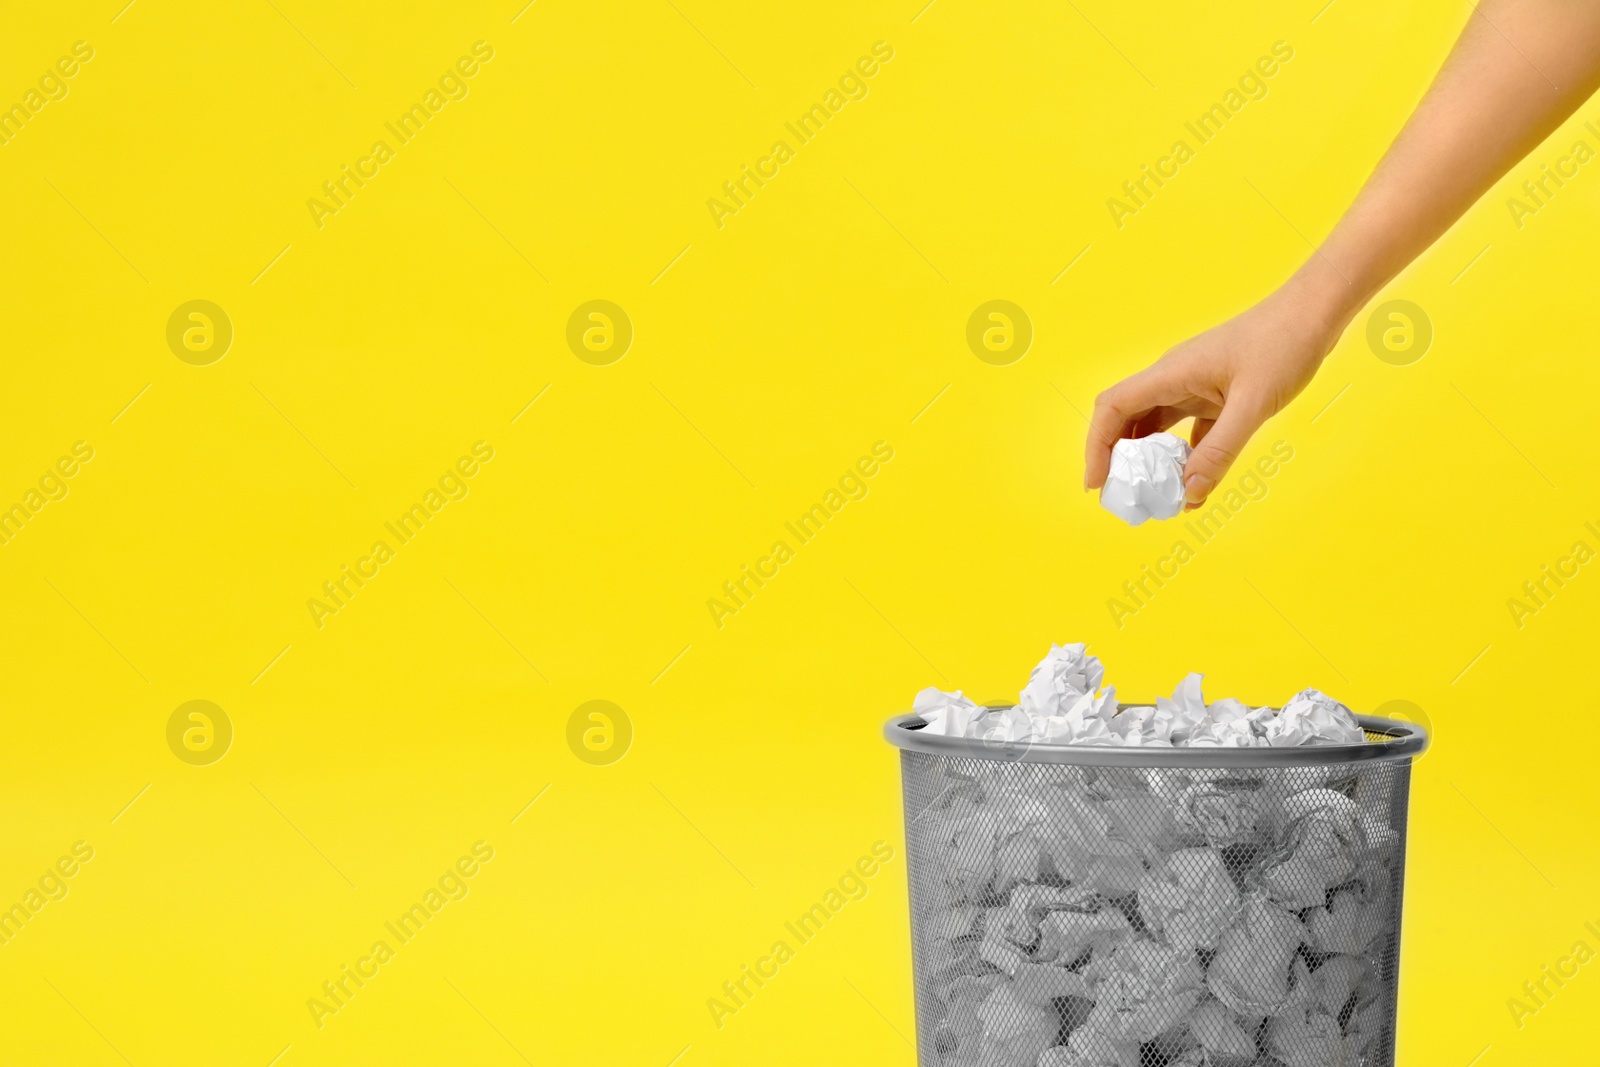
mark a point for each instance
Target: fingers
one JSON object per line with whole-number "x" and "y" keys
{"x": 1149, "y": 402}
{"x": 1157, "y": 421}
{"x": 1135, "y": 407}
{"x": 1113, "y": 410}
{"x": 1218, "y": 444}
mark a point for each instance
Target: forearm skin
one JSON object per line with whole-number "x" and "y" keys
{"x": 1519, "y": 69}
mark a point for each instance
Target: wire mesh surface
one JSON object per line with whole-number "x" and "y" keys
{"x": 1079, "y": 916}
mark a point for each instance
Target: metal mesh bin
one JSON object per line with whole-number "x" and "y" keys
{"x": 1089, "y": 906}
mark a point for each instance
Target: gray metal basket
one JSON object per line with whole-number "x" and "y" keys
{"x": 1096, "y": 906}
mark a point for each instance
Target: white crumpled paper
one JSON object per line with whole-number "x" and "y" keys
{"x": 1223, "y": 1041}
{"x": 1090, "y": 1048}
{"x": 1141, "y": 989}
{"x": 1250, "y": 972}
{"x": 1063, "y": 704}
{"x": 1357, "y": 914}
{"x": 1191, "y": 900}
{"x": 1185, "y": 710}
{"x": 1066, "y": 673}
{"x": 950, "y": 714}
{"x": 1146, "y": 479}
{"x": 1223, "y": 811}
{"x": 1015, "y": 1033}
{"x": 1313, "y": 717}
{"x": 1230, "y": 724}
{"x": 1310, "y": 1034}
{"x": 1066, "y": 935}
{"x": 1321, "y": 842}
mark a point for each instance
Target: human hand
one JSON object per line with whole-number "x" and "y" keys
{"x": 1490, "y": 105}
{"x": 1230, "y": 380}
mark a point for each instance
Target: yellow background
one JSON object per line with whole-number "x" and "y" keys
{"x": 370, "y": 753}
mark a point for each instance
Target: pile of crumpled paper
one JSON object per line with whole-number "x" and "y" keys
{"x": 1074, "y": 916}
{"x": 1063, "y": 704}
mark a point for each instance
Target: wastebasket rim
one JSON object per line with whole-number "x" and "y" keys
{"x": 1405, "y": 740}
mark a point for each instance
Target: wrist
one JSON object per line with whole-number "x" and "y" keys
{"x": 1324, "y": 298}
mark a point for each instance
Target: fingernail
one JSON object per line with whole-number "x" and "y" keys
{"x": 1197, "y": 487}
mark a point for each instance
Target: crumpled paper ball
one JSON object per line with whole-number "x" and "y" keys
{"x": 1141, "y": 989}
{"x": 1139, "y": 817}
{"x": 950, "y": 714}
{"x": 952, "y": 922}
{"x": 1231, "y": 724}
{"x": 1065, "y": 674}
{"x": 1041, "y": 984}
{"x": 1333, "y": 981}
{"x": 978, "y": 832}
{"x": 1312, "y": 717}
{"x": 1021, "y": 857}
{"x": 1015, "y": 1033}
{"x": 1066, "y": 935}
{"x": 1143, "y": 725}
{"x": 959, "y": 1034}
{"x": 1087, "y": 850}
{"x": 1186, "y": 708}
{"x": 1225, "y": 1042}
{"x": 1013, "y": 928}
{"x": 1146, "y": 479}
{"x": 1087, "y": 1047}
{"x": 1224, "y": 811}
{"x": 1307, "y": 1037}
{"x": 1191, "y": 900}
{"x": 1309, "y": 1034}
{"x": 1250, "y": 972}
{"x": 1086, "y": 722}
{"x": 1321, "y": 840}
{"x": 972, "y": 832}
{"x": 1356, "y": 914}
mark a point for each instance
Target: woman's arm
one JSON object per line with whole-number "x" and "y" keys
{"x": 1519, "y": 69}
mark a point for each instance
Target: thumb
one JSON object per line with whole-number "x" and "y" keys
{"x": 1220, "y": 445}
